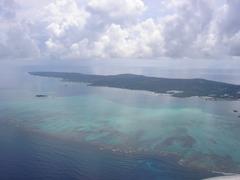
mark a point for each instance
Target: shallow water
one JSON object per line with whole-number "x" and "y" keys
{"x": 122, "y": 125}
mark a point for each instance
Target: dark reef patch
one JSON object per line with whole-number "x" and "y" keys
{"x": 185, "y": 141}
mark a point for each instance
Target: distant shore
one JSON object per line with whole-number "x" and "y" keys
{"x": 209, "y": 90}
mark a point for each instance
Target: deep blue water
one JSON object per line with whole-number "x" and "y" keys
{"x": 25, "y": 155}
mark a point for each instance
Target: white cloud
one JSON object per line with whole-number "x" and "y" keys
{"x": 16, "y": 43}
{"x": 54, "y": 47}
{"x": 138, "y": 41}
{"x": 7, "y": 9}
{"x": 190, "y": 29}
{"x": 119, "y": 29}
{"x": 118, "y": 9}
{"x": 141, "y": 40}
{"x": 62, "y": 15}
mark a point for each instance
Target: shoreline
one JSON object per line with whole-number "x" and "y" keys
{"x": 181, "y": 88}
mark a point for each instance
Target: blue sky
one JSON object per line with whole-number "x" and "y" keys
{"x": 124, "y": 29}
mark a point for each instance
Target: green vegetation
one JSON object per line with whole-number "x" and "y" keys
{"x": 175, "y": 87}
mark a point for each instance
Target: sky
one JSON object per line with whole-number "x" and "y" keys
{"x": 82, "y": 30}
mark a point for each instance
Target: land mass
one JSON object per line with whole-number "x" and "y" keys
{"x": 175, "y": 87}
{"x": 41, "y": 95}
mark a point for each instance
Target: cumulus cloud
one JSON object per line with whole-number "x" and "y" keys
{"x": 138, "y": 41}
{"x": 186, "y": 29}
{"x": 120, "y": 29}
{"x": 141, "y": 40}
{"x": 64, "y": 15}
{"x": 18, "y": 44}
{"x": 118, "y": 9}
{"x": 7, "y": 9}
{"x": 15, "y": 42}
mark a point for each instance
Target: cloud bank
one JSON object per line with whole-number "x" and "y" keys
{"x": 95, "y": 29}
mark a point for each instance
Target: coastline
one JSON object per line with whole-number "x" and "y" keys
{"x": 181, "y": 88}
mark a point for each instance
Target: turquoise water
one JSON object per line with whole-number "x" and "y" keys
{"x": 197, "y": 133}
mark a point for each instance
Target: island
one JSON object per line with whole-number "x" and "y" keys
{"x": 41, "y": 95}
{"x": 175, "y": 87}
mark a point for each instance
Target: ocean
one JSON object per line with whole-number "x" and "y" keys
{"x": 82, "y": 132}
